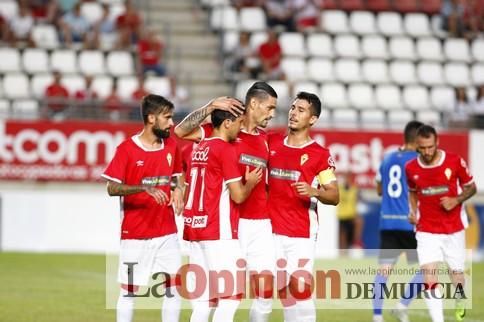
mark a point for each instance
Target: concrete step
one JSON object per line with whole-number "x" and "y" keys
{"x": 177, "y": 17}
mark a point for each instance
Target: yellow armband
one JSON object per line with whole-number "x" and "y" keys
{"x": 326, "y": 176}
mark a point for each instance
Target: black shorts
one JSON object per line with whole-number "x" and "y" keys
{"x": 395, "y": 242}
{"x": 348, "y": 227}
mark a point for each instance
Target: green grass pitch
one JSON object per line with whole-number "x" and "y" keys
{"x": 59, "y": 288}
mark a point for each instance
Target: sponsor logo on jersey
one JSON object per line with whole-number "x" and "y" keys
{"x": 331, "y": 162}
{"x": 252, "y": 160}
{"x": 169, "y": 158}
{"x": 140, "y": 163}
{"x": 285, "y": 174}
{"x": 200, "y": 155}
{"x": 199, "y": 221}
{"x": 304, "y": 158}
{"x": 436, "y": 190}
{"x": 448, "y": 173}
{"x": 156, "y": 181}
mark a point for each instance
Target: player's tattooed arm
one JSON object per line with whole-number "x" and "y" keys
{"x": 121, "y": 189}
{"x": 450, "y": 203}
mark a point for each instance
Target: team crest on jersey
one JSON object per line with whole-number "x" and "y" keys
{"x": 169, "y": 158}
{"x": 415, "y": 177}
{"x": 304, "y": 158}
{"x": 448, "y": 173}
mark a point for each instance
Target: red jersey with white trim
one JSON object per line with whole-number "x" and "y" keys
{"x": 210, "y": 213}
{"x": 431, "y": 183}
{"x": 135, "y": 165}
{"x": 291, "y": 214}
{"x": 252, "y": 151}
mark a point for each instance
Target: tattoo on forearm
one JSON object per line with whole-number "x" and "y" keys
{"x": 467, "y": 192}
{"x": 120, "y": 189}
{"x": 194, "y": 119}
{"x": 176, "y": 183}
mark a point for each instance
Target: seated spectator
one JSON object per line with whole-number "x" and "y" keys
{"x": 46, "y": 11}
{"x": 473, "y": 18}
{"x": 244, "y": 58}
{"x": 452, "y": 12}
{"x": 113, "y": 104}
{"x": 20, "y": 27}
{"x": 86, "y": 95}
{"x": 103, "y": 31}
{"x": 306, "y": 14}
{"x": 150, "y": 53}
{"x": 270, "y": 57}
{"x": 74, "y": 26}
{"x": 279, "y": 13}
{"x": 239, "y": 4}
{"x": 462, "y": 108}
{"x": 3, "y": 29}
{"x": 56, "y": 96}
{"x": 129, "y": 26}
{"x": 479, "y": 103}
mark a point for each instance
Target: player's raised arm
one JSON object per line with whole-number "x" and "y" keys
{"x": 189, "y": 128}
{"x": 238, "y": 191}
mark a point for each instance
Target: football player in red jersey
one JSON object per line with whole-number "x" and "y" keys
{"x": 439, "y": 182}
{"x": 301, "y": 173}
{"x": 141, "y": 172}
{"x": 255, "y": 230}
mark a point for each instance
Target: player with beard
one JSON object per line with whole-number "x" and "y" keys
{"x": 142, "y": 172}
{"x": 301, "y": 173}
{"x": 255, "y": 229}
{"x": 439, "y": 183}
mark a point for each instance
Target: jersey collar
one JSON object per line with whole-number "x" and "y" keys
{"x": 137, "y": 141}
{"x": 298, "y": 147}
{"x": 441, "y": 161}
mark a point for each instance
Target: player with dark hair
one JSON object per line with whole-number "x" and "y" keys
{"x": 301, "y": 173}
{"x": 255, "y": 230}
{"x": 439, "y": 182}
{"x": 396, "y": 232}
{"x": 141, "y": 172}
{"x": 211, "y": 216}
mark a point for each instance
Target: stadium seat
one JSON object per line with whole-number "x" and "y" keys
{"x": 334, "y": 22}
{"x": 477, "y": 72}
{"x": 374, "y": 47}
{"x": 388, "y": 97}
{"x": 215, "y": 3}
{"x": 429, "y": 117}
{"x": 25, "y": 109}
{"x": 292, "y": 44}
{"x": 334, "y": 95}
{"x": 4, "y": 109}
{"x": 430, "y": 73}
{"x": 457, "y": 74}
{"x": 35, "y": 60}
{"x": 16, "y": 86}
{"x": 242, "y": 86}
{"x": 158, "y": 85}
{"x": 64, "y": 61}
{"x": 429, "y": 49}
{"x": 230, "y": 41}
{"x": 457, "y": 49}
{"x": 91, "y": 62}
{"x": 402, "y": 48}
{"x": 398, "y": 118}
{"x": 324, "y": 120}
{"x": 417, "y": 25}
{"x": 320, "y": 70}
{"x": 45, "y": 36}
{"x": 430, "y": 7}
{"x": 252, "y": 19}
{"x": 351, "y": 5}
{"x": 442, "y": 98}
{"x": 120, "y": 63}
{"x": 347, "y": 46}
{"x": 416, "y": 97}
{"x": 126, "y": 86}
{"x": 375, "y": 71}
{"x": 116, "y": 9}
{"x": 348, "y": 71}
{"x": 9, "y": 60}
{"x": 73, "y": 83}
{"x": 390, "y": 23}
{"x": 436, "y": 24}
{"x": 281, "y": 88}
{"x": 294, "y": 68}
{"x": 92, "y": 11}
{"x": 345, "y": 118}
{"x": 378, "y": 5}
{"x": 305, "y": 86}
{"x": 224, "y": 18}
{"x": 39, "y": 83}
{"x": 361, "y": 96}
{"x": 478, "y": 49}
{"x": 403, "y": 72}
{"x": 405, "y": 6}
{"x": 257, "y": 39}
{"x": 8, "y": 9}
{"x": 102, "y": 86}
{"x": 372, "y": 119}
{"x": 319, "y": 45}
{"x": 362, "y": 23}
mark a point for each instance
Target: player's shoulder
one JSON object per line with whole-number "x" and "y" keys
{"x": 170, "y": 142}
{"x": 274, "y": 138}
{"x": 412, "y": 164}
{"x": 452, "y": 157}
{"x": 127, "y": 144}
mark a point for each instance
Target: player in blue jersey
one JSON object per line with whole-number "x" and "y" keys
{"x": 396, "y": 232}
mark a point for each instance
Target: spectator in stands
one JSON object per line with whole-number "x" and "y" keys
{"x": 136, "y": 97}
{"x": 473, "y": 18}
{"x": 479, "y": 103}
{"x": 56, "y": 96}
{"x": 87, "y": 95}
{"x": 20, "y": 27}
{"x": 150, "y": 53}
{"x": 113, "y": 104}
{"x": 244, "y": 59}
{"x": 46, "y": 11}
{"x": 306, "y": 14}
{"x": 452, "y": 13}
{"x": 270, "y": 57}
{"x": 104, "y": 31}
{"x": 74, "y": 26}
{"x": 239, "y": 4}
{"x": 3, "y": 29}
{"x": 279, "y": 13}
{"x": 68, "y": 5}
{"x": 462, "y": 108}
{"x": 129, "y": 26}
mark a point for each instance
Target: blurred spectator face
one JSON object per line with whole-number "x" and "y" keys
{"x": 461, "y": 94}
{"x": 88, "y": 81}
{"x": 244, "y": 38}
{"x": 105, "y": 10}
{"x": 480, "y": 92}
{"x": 271, "y": 36}
{"x": 57, "y": 77}
{"x": 77, "y": 9}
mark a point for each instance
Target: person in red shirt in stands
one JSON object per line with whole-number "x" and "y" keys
{"x": 56, "y": 96}
{"x": 270, "y": 56}
{"x": 113, "y": 104}
{"x": 129, "y": 25}
{"x": 150, "y": 53}
{"x": 87, "y": 94}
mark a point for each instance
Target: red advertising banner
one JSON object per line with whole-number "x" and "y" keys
{"x": 79, "y": 151}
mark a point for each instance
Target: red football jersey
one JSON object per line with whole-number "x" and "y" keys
{"x": 431, "y": 183}
{"x": 210, "y": 213}
{"x": 291, "y": 214}
{"x": 252, "y": 151}
{"x": 133, "y": 164}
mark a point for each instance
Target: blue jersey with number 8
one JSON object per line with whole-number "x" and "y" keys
{"x": 394, "y": 206}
